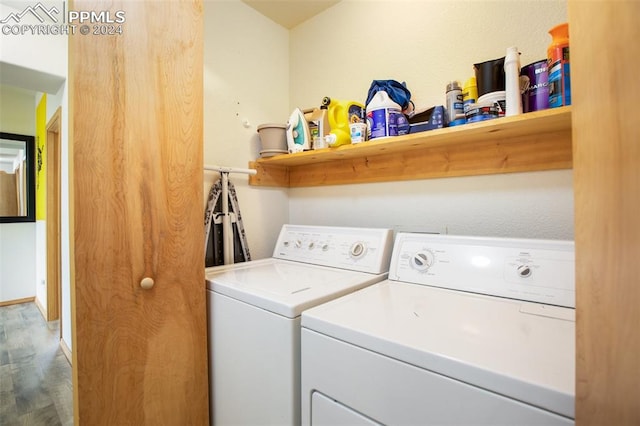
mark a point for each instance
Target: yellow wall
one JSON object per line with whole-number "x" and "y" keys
{"x": 41, "y": 155}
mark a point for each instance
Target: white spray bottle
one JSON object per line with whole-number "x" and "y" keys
{"x": 512, "y": 82}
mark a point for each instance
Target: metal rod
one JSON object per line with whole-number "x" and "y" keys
{"x": 230, "y": 170}
{"x": 227, "y": 230}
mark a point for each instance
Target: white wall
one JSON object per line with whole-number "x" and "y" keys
{"x": 17, "y": 261}
{"x": 17, "y": 240}
{"x": 246, "y": 77}
{"x": 39, "y": 52}
{"x": 426, "y": 43}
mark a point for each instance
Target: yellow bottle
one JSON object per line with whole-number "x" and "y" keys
{"x": 340, "y": 115}
{"x": 469, "y": 93}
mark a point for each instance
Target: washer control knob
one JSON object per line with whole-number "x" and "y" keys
{"x": 524, "y": 271}
{"x": 357, "y": 250}
{"x": 422, "y": 260}
{"x": 311, "y": 245}
{"x": 298, "y": 243}
{"x": 325, "y": 247}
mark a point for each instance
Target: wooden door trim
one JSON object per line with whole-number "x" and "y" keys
{"x": 53, "y": 217}
{"x": 607, "y": 199}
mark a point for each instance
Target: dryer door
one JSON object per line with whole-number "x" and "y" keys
{"x": 328, "y": 412}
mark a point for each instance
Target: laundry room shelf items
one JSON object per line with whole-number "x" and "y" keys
{"x": 534, "y": 141}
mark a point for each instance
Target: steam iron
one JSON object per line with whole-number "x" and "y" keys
{"x": 297, "y": 132}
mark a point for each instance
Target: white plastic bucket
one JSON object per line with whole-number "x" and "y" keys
{"x": 499, "y": 99}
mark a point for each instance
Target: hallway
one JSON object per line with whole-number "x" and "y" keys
{"x": 35, "y": 376}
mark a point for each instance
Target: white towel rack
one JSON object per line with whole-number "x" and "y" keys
{"x": 223, "y": 169}
{"x": 227, "y": 231}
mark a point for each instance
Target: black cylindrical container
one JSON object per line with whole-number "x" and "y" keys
{"x": 490, "y": 76}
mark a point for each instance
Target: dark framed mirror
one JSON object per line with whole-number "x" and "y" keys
{"x": 17, "y": 178}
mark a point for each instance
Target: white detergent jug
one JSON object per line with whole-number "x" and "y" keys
{"x": 382, "y": 116}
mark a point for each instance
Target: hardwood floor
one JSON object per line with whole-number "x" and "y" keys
{"x": 35, "y": 376}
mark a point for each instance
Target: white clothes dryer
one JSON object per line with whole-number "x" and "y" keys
{"x": 466, "y": 331}
{"x": 254, "y": 316}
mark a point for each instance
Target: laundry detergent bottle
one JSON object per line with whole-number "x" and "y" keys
{"x": 382, "y": 116}
{"x": 340, "y": 115}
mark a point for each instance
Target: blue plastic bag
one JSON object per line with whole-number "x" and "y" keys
{"x": 398, "y": 92}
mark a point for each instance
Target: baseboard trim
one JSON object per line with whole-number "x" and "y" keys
{"x": 41, "y": 308}
{"x": 65, "y": 350}
{"x": 17, "y": 301}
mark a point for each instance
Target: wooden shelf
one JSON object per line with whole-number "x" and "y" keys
{"x": 529, "y": 142}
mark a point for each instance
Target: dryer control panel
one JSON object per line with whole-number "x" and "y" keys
{"x": 355, "y": 249}
{"x": 540, "y": 271}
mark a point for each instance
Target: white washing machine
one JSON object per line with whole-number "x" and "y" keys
{"x": 254, "y": 316}
{"x": 466, "y": 331}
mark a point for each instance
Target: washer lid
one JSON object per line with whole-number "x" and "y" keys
{"x": 284, "y": 287}
{"x": 522, "y": 350}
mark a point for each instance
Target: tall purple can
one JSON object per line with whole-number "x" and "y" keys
{"x": 534, "y": 81}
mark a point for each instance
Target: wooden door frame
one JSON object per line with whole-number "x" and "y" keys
{"x": 53, "y": 218}
{"x": 607, "y": 199}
